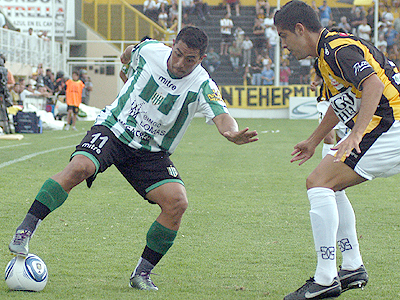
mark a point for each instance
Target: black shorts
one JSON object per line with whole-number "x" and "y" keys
{"x": 74, "y": 109}
{"x": 226, "y": 38}
{"x": 143, "y": 169}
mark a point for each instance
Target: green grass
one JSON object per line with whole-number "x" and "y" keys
{"x": 246, "y": 233}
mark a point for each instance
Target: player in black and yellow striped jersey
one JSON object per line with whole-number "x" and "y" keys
{"x": 363, "y": 90}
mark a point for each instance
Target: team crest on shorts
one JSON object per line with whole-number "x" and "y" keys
{"x": 172, "y": 171}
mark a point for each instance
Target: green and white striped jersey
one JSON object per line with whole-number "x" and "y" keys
{"x": 153, "y": 109}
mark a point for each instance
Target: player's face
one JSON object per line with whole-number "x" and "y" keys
{"x": 183, "y": 59}
{"x": 295, "y": 42}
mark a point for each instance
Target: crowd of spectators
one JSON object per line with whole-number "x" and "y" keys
{"x": 44, "y": 84}
{"x": 252, "y": 53}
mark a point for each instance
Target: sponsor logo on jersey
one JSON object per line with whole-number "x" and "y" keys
{"x": 172, "y": 171}
{"x": 326, "y": 50}
{"x": 396, "y": 78}
{"x": 216, "y": 96}
{"x": 167, "y": 82}
{"x": 358, "y": 67}
{"x": 156, "y": 99}
{"x": 346, "y": 105}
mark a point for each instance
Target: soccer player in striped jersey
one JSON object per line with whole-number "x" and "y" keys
{"x": 137, "y": 133}
{"x": 363, "y": 90}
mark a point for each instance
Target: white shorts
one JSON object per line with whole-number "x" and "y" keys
{"x": 380, "y": 154}
{"x": 341, "y": 128}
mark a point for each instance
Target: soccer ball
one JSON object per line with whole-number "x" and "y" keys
{"x": 26, "y": 273}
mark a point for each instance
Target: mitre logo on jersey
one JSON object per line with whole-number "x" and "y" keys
{"x": 156, "y": 99}
{"x": 358, "y": 67}
{"x": 216, "y": 96}
{"x": 167, "y": 82}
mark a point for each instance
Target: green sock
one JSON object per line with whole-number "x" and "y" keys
{"x": 52, "y": 194}
{"x": 160, "y": 238}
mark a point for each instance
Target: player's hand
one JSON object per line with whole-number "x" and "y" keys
{"x": 347, "y": 145}
{"x": 241, "y": 137}
{"x": 303, "y": 151}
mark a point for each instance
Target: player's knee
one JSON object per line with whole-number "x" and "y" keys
{"x": 311, "y": 181}
{"x": 176, "y": 206}
{"x": 82, "y": 167}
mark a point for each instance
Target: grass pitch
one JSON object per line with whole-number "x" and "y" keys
{"x": 246, "y": 233}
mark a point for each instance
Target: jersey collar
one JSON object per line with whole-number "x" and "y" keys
{"x": 321, "y": 41}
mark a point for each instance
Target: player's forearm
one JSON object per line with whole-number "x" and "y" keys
{"x": 371, "y": 95}
{"x": 225, "y": 123}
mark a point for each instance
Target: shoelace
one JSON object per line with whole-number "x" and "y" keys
{"x": 306, "y": 285}
{"x": 146, "y": 276}
{"x": 20, "y": 237}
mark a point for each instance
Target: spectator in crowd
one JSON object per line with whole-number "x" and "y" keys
{"x": 284, "y": 73}
{"x": 187, "y": 7}
{"x": 247, "y": 77}
{"x": 226, "y": 25}
{"x": 259, "y": 36}
{"x": 235, "y": 52}
{"x": 163, "y": 15}
{"x": 27, "y": 91}
{"x": 30, "y": 31}
{"x": 59, "y": 86}
{"x": 256, "y": 70}
{"x": 232, "y": 4}
{"x": 201, "y": 9}
{"x": 15, "y": 94}
{"x": 262, "y": 9}
{"x": 83, "y": 76}
{"x": 272, "y": 37}
{"x": 364, "y": 30}
{"x": 48, "y": 81}
{"x": 150, "y": 9}
{"x": 247, "y": 45}
{"x": 391, "y": 36}
{"x": 356, "y": 18}
{"x": 325, "y": 13}
{"x": 73, "y": 98}
{"x": 212, "y": 61}
{"x": 40, "y": 74}
{"x": 173, "y": 13}
{"x": 382, "y": 44}
{"x": 315, "y": 7}
{"x": 371, "y": 19}
{"x": 239, "y": 36}
{"x": 344, "y": 24}
{"x": 267, "y": 75}
{"x": 387, "y": 14}
{"x": 41, "y": 90}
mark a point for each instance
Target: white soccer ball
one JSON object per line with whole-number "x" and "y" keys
{"x": 26, "y": 273}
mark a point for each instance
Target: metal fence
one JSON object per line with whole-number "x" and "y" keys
{"x": 30, "y": 50}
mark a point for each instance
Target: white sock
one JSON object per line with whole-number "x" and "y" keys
{"x": 324, "y": 222}
{"x": 326, "y": 148}
{"x": 347, "y": 234}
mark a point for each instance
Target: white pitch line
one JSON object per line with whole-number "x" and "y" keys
{"x": 26, "y": 157}
{"x": 67, "y": 136}
{"x": 10, "y": 146}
